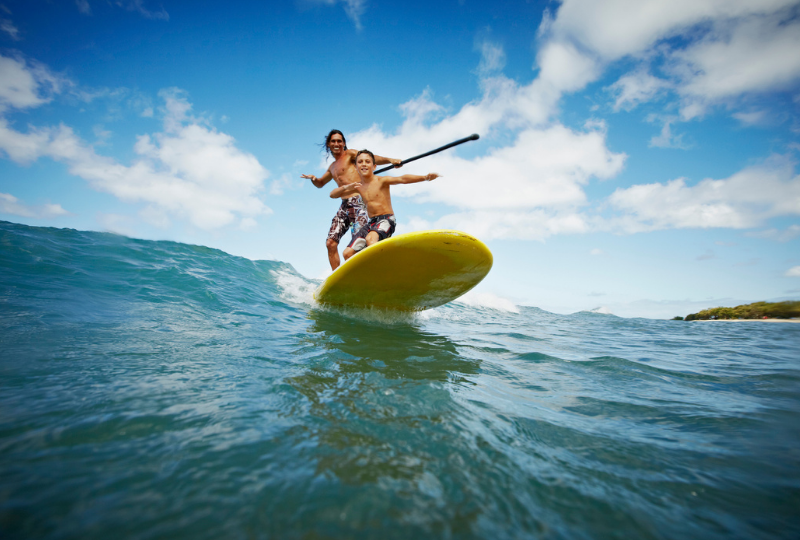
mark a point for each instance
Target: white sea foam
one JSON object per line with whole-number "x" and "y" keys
{"x": 488, "y": 300}
{"x": 295, "y": 288}
{"x": 385, "y": 317}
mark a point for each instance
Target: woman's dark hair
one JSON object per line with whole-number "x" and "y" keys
{"x": 328, "y": 140}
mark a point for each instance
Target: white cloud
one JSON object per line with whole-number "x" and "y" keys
{"x": 565, "y": 67}
{"x": 284, "y": 182}
{"x": 793, "y": 272}
{"x": 752, "y": 118}
{"x": 534, "y": 187}
{"x": 636, "y": 87}
{"x": 617, "y": 28}
{"x": 101, "y": 134}
{"x": 247, "y": 224}
{"x": 189, "y": 171}
{"x": 493, "y": 58}
{"x": 790, "y": 233}
{"x": 8, "y": 27}
{"x": 726, "y": 48}
{"x": 137, "y": 6}
{"x": 84, "y": 7}
{"x": 24, "y": 148}
{"x": 421, "y": 109}
{"x": 495, "y": 224}
{"x": 542, "y": 168}
{"x": 504, "y": 105}
{"x": 118, "y": 102}
{"x": 354, "y": 9}
{"x": 176, "y": 109}
{"x": 24, "y": 86}
{"x": 11, "y": 205}
{"x": 530, "y": 189}
{"x": 744, "y": 200}
{"x": 156, "y": 216}
{"x": 755, "y": 54}
{"x": 667, "y": 139}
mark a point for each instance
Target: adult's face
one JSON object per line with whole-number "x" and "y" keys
{"x": 336, "y": 143}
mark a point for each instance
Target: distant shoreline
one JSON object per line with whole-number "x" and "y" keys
{"x": 757, "y": 311}
{"x": 749, "y": 320}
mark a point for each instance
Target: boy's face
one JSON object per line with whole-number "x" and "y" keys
{"x": 364, "y": 164}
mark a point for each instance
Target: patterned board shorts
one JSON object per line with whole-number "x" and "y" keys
{"x": 352, "y": 215}
{"x": 384, "y": 225}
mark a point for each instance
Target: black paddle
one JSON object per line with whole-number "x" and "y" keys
{"x": 473, "y": 137}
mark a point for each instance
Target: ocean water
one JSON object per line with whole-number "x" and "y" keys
{"x": 160, "y": 390}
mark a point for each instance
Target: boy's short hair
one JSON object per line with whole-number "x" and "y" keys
{"x": 365, "y": 151}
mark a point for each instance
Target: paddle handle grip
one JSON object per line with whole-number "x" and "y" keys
{"x": 473, "y": 137}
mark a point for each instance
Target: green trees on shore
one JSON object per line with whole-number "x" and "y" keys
{"x": 757, "y": 310}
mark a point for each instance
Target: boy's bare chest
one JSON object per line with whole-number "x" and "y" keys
{"x": 375, "y": 191}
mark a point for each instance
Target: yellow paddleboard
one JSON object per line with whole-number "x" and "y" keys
{"x": 409, "y": 272}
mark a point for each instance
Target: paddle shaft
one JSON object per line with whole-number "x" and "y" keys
{"x": 473, "y": 137}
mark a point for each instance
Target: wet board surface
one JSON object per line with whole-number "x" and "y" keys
{"x": 409, "y": 272}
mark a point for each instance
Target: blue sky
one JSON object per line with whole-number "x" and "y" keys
{"x": 635, "y": 156}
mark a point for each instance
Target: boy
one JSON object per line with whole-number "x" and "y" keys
{"x": 374, "y": 190}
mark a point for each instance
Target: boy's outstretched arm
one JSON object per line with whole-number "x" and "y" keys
{"x": 345, "y": 190}
{"x": 411, "y": 178}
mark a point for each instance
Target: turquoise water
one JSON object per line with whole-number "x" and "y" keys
{"x": 160, "y": 390}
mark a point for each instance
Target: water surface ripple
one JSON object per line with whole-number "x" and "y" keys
{"x": 161, "y": 390}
